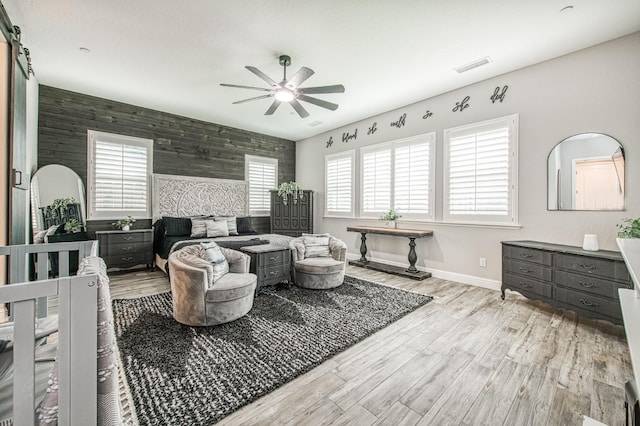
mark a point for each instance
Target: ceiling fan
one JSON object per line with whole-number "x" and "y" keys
{"x": 289, "y": 91}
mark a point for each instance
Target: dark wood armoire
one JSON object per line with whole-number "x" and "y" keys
{"x": 292, "y": 219}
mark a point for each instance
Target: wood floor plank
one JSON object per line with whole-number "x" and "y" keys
{"x": 575, "y": 366}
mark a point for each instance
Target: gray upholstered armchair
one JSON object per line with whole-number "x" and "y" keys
{"x": 318, "y": 261}
{"x": 201, "y": 296}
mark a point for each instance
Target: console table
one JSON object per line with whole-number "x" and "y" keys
{"x": 412, "y": 234}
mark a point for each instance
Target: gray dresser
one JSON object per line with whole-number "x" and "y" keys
{"x": 585, "y": 282}
{"x": 124, "y": 249}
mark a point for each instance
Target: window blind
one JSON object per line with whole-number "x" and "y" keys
{"x": 480, "y": 175}
{"x": 119, "y": 172}
{"x": 376, "y": 181}
{"x": 412, "y": 190}
{"x": 262, "y": 176}
{"x": 339, "y": 184}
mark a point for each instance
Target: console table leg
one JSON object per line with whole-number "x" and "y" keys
{"x": 413, "y": 257}
{"x": 363, "y": 247}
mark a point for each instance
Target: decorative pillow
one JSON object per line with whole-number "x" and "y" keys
{"x": 315, "y": 239}
{"x": 317, "y": 251}
{"x": 199, "y": 227}
{"x": 231, "y": 223}
{"x": 217, "y": 228}
{"x": 244, "y": 226}
{"x": 176, "y": 226}
{"x": 51, "y": 231}
{"x": 217, "y": 260}
{"x": 39, "y": 237}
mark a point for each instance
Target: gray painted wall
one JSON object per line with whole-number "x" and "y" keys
{"x": 593, "y": 90}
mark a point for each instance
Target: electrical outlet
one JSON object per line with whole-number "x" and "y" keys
{"x": 483, "y": 262}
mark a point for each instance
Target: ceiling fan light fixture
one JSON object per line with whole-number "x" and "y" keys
{"x": 284, "y": 95}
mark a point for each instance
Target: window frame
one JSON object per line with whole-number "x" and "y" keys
{"x": 393, "y": 146}
{"x": 248, "y": 159}
{"x": 94, "y": 136}
{"x": 351, "y": 155}
{"x": 511, "y": 218}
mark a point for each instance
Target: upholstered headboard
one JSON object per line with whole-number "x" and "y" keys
{"x": 190, "y": 196}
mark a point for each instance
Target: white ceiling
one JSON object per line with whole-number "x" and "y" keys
{"x": 172, "y": 55}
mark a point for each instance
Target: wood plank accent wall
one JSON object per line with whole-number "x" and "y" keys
{"x": 182, "y": 145}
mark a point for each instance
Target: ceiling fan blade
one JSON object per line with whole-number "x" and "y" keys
{"x": 319, "y": 102}
{"x": 299, "y": 109}
{"x": 337, "y": 88}
{"x": 299, "y": 77}
{"x": 245, "y": 87}
{"x": 262, "y": 75}
{"x": 253, "y": 99}
{"x": 274, "y": 106}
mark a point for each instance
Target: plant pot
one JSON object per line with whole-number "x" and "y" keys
{"x": 126, "y": 227}
{"x": 390, "y": 224}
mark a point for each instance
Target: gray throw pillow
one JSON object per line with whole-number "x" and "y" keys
{"x": 199, "y": 228}
{"x": 231, "y": 223}
{"x": 217, "y": 260}
{"x": 217, "y": 229}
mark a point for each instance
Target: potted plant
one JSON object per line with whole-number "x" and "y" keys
{"x": 629, "y": 228}
{"x": 390, "y": 218}
{"x": 72, "y": 225}
{"x": 124, "y": 224}
{"x": 290, "y": 188}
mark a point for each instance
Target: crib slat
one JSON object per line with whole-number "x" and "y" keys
{"x": 43, "y": 274}
{"x": 24, "y": 365}
{"x": 63, "y": 264}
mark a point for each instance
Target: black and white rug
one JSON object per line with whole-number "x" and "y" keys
{"x": 183, "y": 375}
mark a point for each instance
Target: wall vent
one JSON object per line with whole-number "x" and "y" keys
{"x": 314, "y": 123}
{"x": 472, "y": 65}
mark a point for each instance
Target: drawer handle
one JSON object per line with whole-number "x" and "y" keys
{"x": 274, "y": 272}
{"x": 525, "y": 255}
{"x": 525, "y": 270}
{"x": 588, "y": 285}
{"x": 127, "y": 238}
{"x": 127, "y": 248}
{"x": 585, "y": 303}
{"x": 274, "y": 258}
{"x": 589, "y": 267}
{"x": 525, "y": 285}
{"x": 127, "y": 258}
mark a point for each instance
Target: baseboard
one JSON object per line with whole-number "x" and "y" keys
{"x": 444, "y": 275}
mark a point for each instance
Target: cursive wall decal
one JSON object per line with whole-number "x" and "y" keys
{"x": 373, "y": 128}
{"x": 400, "y": 122}
{"x": 330, "y": 141}
{"x": 427, "y": 115}
{"x": 461, "y": 106}
{"x": 497, "y": 95}
{"x": 346, "y": 137}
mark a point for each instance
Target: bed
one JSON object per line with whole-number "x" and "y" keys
{"x": 179, "y": 202}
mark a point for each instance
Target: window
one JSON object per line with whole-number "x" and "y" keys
{"x": 119, "y": 175}
{"x": 339, "y": 172}
{"x": 399, "y": 175}
{"x": 262, "y": 175}
{"x": 480, "y": 172}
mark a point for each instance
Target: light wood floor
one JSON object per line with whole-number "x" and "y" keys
{"x": 466, "y": 358}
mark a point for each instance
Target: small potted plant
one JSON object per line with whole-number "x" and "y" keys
{"x": 629, "y": 228}
{"x": 72, "y": 225}
{"x": 124, "y": 224}
{"x": 292, "y": 189}
{"x": 390, "y": 218}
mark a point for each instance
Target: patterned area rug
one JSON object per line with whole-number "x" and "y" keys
{"x": 183, "y": 375}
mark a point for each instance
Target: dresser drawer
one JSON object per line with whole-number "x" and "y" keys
{"x": 125, "y": 237}
{"x": 589, "y": 284}
{"x": 273, "y": 258}
{"x": 125, "y": 248}
{"x": 126, "y": 260}
{"x": 530, "y": 270}
{"x": 273, "y": 275}
{"x": 518, "y": 283}
{"x": 592, "y": 266}
{"x": 529, "y": 255}
{"x": 589, "y": 302}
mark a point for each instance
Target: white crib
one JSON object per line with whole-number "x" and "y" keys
{"x": 77, "y": 323}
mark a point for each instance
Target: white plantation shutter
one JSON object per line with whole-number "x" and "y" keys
{"x": 119, "y": 176}
{"x": 339, "y": 184}
{"x": 376, "y": 180}
{"x": 262, "y": 174}
{"x": 480, "y": 172}
{"x": 413, "y": 186}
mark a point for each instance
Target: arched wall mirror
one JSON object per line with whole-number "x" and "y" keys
{"x": 586, "y": 172}
{"x": 55, "y": 182}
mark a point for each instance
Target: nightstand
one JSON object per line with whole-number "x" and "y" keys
{"x": 124, "y": 249}
{"x": 270, "y": 263}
